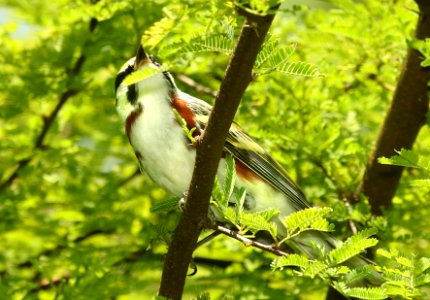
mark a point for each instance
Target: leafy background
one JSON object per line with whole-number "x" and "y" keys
{"x": 76, "y": 222}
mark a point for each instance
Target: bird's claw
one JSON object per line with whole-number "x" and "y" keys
{"x": 197, "y": 140}
{"x": 182, "y": 201}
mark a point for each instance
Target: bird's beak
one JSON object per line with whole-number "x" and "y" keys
{"x": 141, "y": 58}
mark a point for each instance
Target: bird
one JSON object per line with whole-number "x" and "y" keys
{"x": 165, "y": 153}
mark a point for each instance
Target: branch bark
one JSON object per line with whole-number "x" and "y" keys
{"x": 237, "y": 77}
{"x": 404, "y": 119}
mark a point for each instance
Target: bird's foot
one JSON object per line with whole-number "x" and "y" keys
{"x": 182, "y": 201}
{"x": 197, "y": 140}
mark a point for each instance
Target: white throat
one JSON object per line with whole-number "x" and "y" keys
{"x": 147, "y": 90}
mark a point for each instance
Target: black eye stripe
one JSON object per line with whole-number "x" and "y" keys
{"x": 122, "y": 75}
{"x": 131, "y": 89}
{"x": 132, "y": 93}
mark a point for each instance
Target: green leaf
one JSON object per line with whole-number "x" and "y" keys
{"x": 231, "y": 216}
{"x": 425, "y": 63}
{"x": 422, "y": 265}
{"x": 273, "y": 56}
{"x": 203, "y": 296}
{"x": 166, "y": 205}
{"x": 290, "y": 260}
{"x": 385, "y": 253}
{"x": 240, "y": 200}
{"x": 299, "y": 68}
{"x": 423, "y": 46}
{"x": 422, "y": 183}
{"x": 228, "y": 29}
{"x": 406, "y": 158}
{"x": 399, "y": 289}
{"x": 353, "y": 246}
{"x": 142, "y": 74}
{"x": 356, "y": 275}
{"x": 310, "y": 268}
{"x": 188, "y": 132}
{"x": 404, "y": 261}
{"x": 216, "y": 43}
{"x": 218, "y": 194}
{"x": 315, "y": 268}
{"x": 260, "y": 221}
{"x": 230, "y": 177}
{"x": 310, "y": 218}
{"x": 367, "y": 293}
{"x": 397, "y": 275}
{"x": 422, "y": 280}
{"x": 266, "y": 51}
{"x": 336, "y": 271}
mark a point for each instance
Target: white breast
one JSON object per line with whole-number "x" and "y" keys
{"x": 167, "y": 155}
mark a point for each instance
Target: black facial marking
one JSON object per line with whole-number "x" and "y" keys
{"x": 132, "y": 93}
{"x": 122, "y": 75}
{"x": 168, "y": 77}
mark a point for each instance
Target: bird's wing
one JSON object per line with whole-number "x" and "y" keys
{"x": 245, "y": 149}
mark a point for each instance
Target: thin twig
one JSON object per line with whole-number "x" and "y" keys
{"x": 195, "y": 85}
{"x": 248, "y": 242}
{"x": 49, "y": 120}
{"x": 129, "y": 178}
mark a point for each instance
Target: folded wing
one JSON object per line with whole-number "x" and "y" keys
{"x": 246, "y": 150}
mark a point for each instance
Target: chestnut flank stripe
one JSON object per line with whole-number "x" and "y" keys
{"x": 186, "y": 113}
{"x": 244, "y": 172}
{"x": 132, "y": 118}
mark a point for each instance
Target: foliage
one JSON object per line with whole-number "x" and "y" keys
{"x": 78, "y": 223}
{"x": 405, "y": 273}
{"x": 406, "y": 158}
{"x": 424, "y": 48}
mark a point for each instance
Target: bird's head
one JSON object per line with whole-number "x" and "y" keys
{"x": 141, "y": 76}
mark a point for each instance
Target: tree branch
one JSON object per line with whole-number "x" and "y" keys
{"x": 49, "y": 120}
{"x": 129, "y": 178}
{"x": 237, "y": 77}
{"x": 248, "y": 242}
{"x": 195, "y": 85}
{"x": 404, "y": 119}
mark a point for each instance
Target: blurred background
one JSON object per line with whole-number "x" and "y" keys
{"x": 75, "y": 220}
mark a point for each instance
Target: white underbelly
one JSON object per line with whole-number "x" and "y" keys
{"x": 168, "y": 157}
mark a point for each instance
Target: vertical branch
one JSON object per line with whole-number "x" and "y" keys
{"x": 237, "y": 77}
{"x": 404, "y": 119}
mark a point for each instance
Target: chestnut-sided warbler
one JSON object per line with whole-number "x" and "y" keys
{"x": 166, "y": 154}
